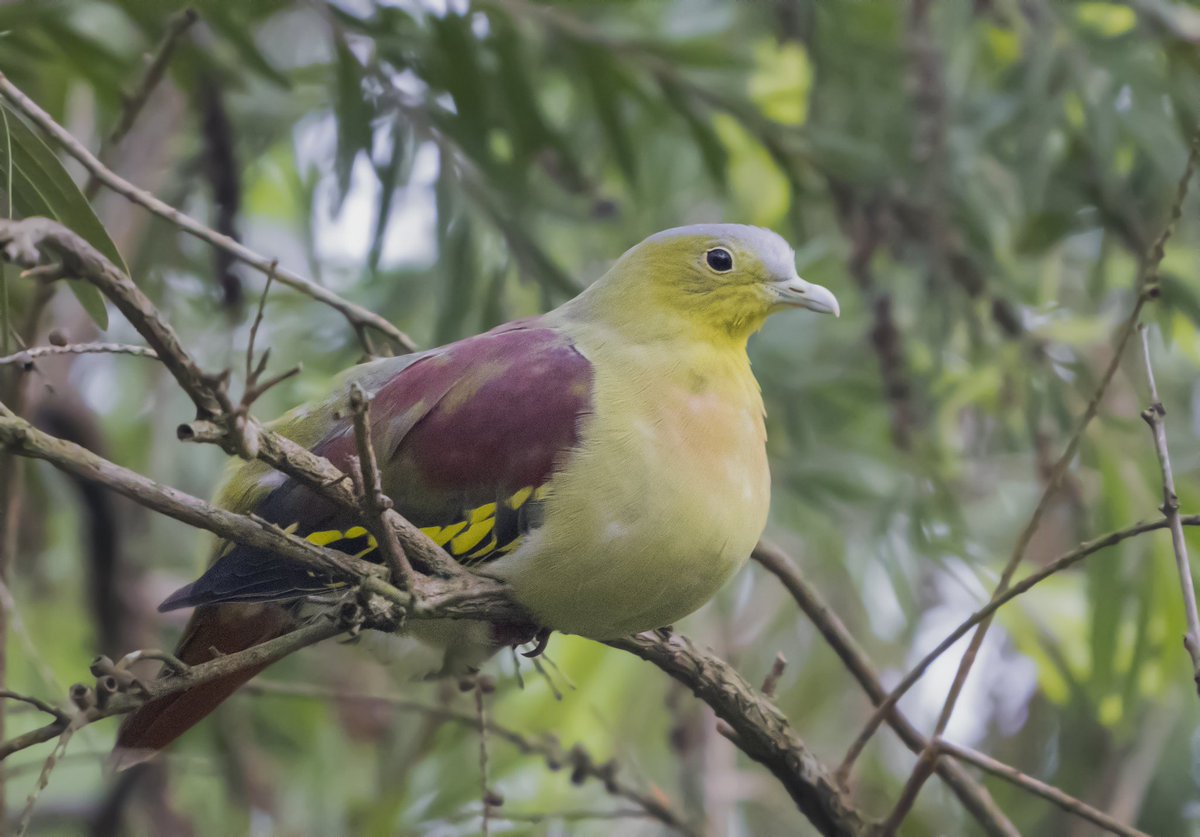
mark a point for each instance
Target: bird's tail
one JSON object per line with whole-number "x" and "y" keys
{"x": 212, "y": 632}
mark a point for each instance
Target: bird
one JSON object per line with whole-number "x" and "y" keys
{"x": 606, "y": 460}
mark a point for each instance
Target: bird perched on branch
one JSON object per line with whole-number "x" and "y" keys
{"x": 606, "y": 460}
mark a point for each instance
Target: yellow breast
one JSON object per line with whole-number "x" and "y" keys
{"x": 662, "y": 502}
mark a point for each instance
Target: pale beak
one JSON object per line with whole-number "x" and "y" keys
{"x": 800, "y": 294}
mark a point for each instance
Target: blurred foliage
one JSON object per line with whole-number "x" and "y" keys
{"x": 978, "y": 184}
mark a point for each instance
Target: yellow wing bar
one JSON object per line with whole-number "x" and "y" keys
{"x": 461, "y": 539}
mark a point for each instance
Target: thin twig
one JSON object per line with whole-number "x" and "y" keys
{"x": 256, "y": 386}
{"x": 926, "y": 761}
{"x": 1145, "y": 288}
{"x": 37, "y": 703}
{"x": 168, "y": 659}
{"x": 1026, "y": 782}
{"x": 484, "y": 788}
{"x": 355, "y": 314}
{"x": 28, "y": 356}
{"x": 258, "y": 318}
{"x": 1155, "y": 417}
{"x": 771, "y": 681}
{"x": 374, "y": 501}
{"x": 35, "y": 242}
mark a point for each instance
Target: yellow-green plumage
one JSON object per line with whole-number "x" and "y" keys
{"x": 663, "y": 500}
{"x": 607, "y": 460}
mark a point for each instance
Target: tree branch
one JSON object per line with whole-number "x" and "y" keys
{"x": 465, "y": 597}
{"x": 357, "y": 316}
{"x": 757, "y": 726}
{"x": 33, "y": 243}
{"x": 20, "y": 437}
{"x": 27, "y": 357}
{"x": 36, "y": 703}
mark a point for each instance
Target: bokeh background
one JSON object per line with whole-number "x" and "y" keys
{"x": 977, "y": 181}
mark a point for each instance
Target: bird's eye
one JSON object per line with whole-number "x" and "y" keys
{"x": 719, "y": 260}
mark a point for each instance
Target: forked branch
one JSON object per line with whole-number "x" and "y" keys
{"x": 1155, "y": 416}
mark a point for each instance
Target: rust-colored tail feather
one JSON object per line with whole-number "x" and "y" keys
{"x": 212, "y": 632}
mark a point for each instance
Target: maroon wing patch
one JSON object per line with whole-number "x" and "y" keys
{"x": 466, "y": 435}
{"x": 513, "y": 408}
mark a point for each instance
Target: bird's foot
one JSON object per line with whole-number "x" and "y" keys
{"x": 352, "y": 617}
{"x": 510, "y": 635}
{"x": 541, "y": 640}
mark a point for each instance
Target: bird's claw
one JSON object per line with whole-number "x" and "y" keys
{"x": 542, "y": 639}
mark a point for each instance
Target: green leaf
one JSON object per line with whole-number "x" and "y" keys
{"x": 605, "y": 79}
{"x": 105, "y": 69}
{"x": 1108, "y": 20}
{"x": 781, "y": 82}
{"x": 493, "y": 311}
{"x": 759, "y": 187}
{"x": 1043, "y": 230}
{"x": 36, "y": 183}
{"x": 704, "y": 52}
{"x": 699, "y": 124}
{"x": 390, "y": 174}
{"x": 1147, "y": 595}
{"x": 529, "y": 130}
{"x": 5, "y": 318}
{"x": 456, "y": 63}
{"x": 234, "y": 22}
{"x": 1179, "y": 295}
{"x": 353, "y": 117}
{"x": 1107, "y": 586}
{"x": 462, "y": 275}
